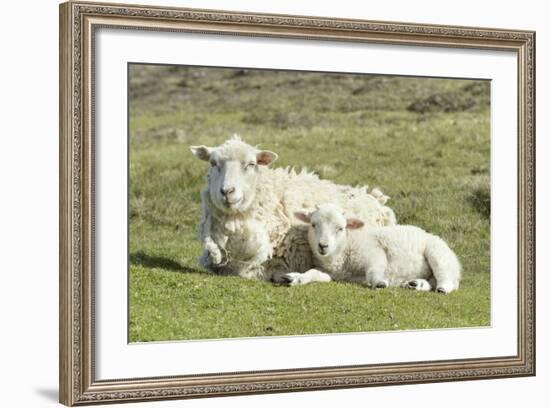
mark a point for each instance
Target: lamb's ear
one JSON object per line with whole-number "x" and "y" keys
{"x": 380, "y": 196}
{"x": 354, "y": 223}
{"x": 202, "y": 152}
{"x": 265, "y": 157}
{"x": 303, "y": 215}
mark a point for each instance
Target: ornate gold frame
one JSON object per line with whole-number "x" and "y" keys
{"x": 78, "y": 21}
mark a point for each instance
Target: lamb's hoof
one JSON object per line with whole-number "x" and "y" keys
{"x": 377, "y": 284}
{"x": 381, "y": 285}
{"x": 284, "y": 280}
{"x": 446, "y": 287}
{"x": 418, "y": 284}
{"x": 291, "y": 279}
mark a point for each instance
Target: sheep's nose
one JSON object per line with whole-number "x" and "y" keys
{"x": 227, "y": 190}
{"x": 322, "y": 247}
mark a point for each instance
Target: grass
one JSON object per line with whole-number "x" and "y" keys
{"x": 425, "y": 142}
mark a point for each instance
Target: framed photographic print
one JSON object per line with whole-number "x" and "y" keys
{"x": 256, "y": 203}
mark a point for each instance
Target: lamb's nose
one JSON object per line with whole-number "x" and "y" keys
{"x": 322, "y": 247}
{"x": 227, "y": 190}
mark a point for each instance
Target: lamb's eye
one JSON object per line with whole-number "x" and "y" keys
{"x": 214, "y": 164}
{"x": 250, "y": 166}
{"x": 314, "y": 225}
{"x": 340, "y": 229}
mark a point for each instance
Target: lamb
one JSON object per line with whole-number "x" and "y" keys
{"x": 247, "y": 226}
{"x": 400, "y": 255}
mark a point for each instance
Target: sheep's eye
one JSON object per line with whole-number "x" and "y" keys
{"x": 340, "y": 229}
{"x": 213, "y": 163}
{"x": 250, "y": 166}
{"x": 314, "y": 225}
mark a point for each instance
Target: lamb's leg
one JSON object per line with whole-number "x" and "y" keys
{"x": 418, "y": 284}
{"x": 376, "y": 270}
{"x": 376, "y": 279}
{"x": 310, "y": 276}
{"x": 444, "y": 265}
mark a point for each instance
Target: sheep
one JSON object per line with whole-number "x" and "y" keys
{"x": 247, "y": 227}
{"x": 399, "y": 255}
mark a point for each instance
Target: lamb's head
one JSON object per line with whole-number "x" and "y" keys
{"x": 233, "y": 173}
{"x": 327, "y": 228}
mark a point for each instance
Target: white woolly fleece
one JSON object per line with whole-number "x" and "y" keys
{"x": 266, "y": 239}
{"x": 382, "y": 256}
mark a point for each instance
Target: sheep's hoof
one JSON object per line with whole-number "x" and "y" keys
{"x": 412, "y": 284}
{"x": 216, "y": 257}
{"x": 205, "y": 260}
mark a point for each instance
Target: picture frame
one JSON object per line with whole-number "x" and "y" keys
{"x": 79, "y": 23}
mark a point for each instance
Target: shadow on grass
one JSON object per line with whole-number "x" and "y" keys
{"x": 480, "y": 199}
{"x": 142, "y": 259}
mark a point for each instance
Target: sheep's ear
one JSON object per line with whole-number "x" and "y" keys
{"x": 265, "y": 157}
{"x": 202, "y": 152}
{"x": 304, "y": 216}
{"x": 354, "y": 223}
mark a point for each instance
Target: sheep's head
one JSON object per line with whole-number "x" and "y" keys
{"x": 327, "y": 228}
{"x": 233, "y": 173}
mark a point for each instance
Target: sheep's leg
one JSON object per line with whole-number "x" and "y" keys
{"x": 376, "y": 271}
{"x": 444, "y": 265}
{"x": 310, "y": 276}
{"x": 264, "y": 252}
{"x": 212, "y": 255}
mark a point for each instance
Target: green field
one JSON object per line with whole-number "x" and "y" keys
{"x": 425, "y": 142}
